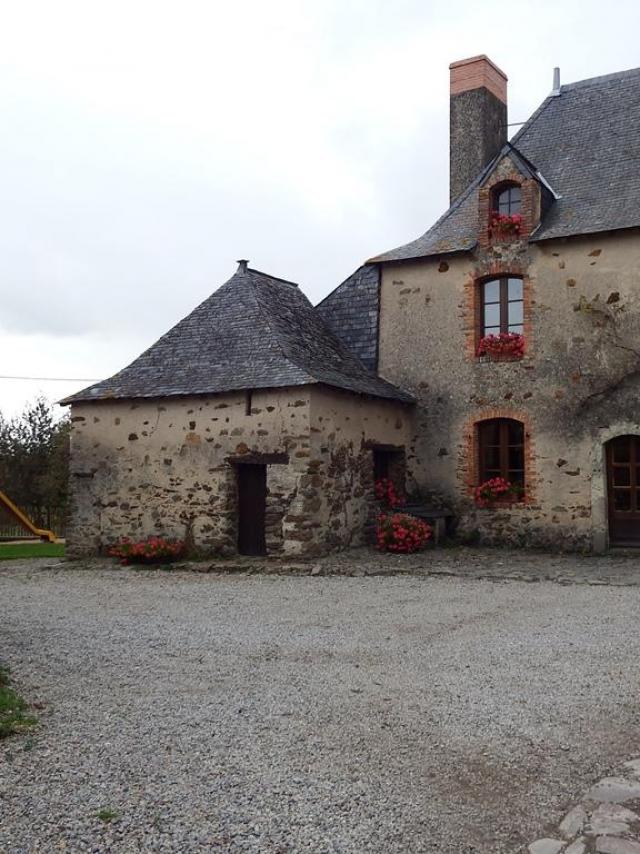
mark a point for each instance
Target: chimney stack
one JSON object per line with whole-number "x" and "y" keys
{"x": 477, "y": 119}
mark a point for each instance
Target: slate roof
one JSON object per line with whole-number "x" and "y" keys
{"x": 351, "y": 313}
{"x": 256, "y": 331}
{"x": 586, "y": 143}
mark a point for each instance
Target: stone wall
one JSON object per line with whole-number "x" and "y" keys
{"x": 169, "y": 468}
{"x": 344, "y": 431}
{"x": 428, "y": 330}
{"x": 166, "y": 467}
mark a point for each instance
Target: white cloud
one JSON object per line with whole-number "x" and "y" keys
{"x": 147, "y": 145}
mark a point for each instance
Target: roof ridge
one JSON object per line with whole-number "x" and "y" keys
{"x": 269, "y": 276}
{"x": 273, "y": 327}
{"x": 343, "y": 282}
{"x": 535, "y": 115}
{"x": 602, "y": 78}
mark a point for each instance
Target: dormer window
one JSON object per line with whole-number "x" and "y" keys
{"x": 508, "y": 200}
{"x": 505, "y": 220}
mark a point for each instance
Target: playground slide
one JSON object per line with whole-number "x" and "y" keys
{"x": 7, "y": 504}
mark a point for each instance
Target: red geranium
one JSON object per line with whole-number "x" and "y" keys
{"x": 495, "y": 489}
{"x": 386, "y": 494}
{"x": 506, "y": 223}
{"x": 399, "y": 532}
{"x": 151, "y": 550}
{"x": 504, "y": 344}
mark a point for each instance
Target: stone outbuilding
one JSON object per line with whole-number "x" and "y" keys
{"x": 247, "y": 427}
{"x": 502, "y": 343}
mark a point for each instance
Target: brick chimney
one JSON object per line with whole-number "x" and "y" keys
{"x": 477, "y": 117}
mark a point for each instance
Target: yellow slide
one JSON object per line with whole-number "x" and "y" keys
{"x": 7, "y": 504}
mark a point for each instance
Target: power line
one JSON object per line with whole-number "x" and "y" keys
{"x": 52, "y": 379}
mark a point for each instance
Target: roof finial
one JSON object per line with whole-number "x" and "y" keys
{"x": 556, "y": 81}
{"x": 242, "y": 265}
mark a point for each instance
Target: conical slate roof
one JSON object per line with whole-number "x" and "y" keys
{"x": 256, "y": 331}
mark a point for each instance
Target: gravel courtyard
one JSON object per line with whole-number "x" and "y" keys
{"x": 275, "y": 714}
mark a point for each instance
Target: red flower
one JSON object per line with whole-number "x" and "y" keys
{"x": 152, "y": 550}
{"x": 506, "y": 223}
{"x": 386, "y": 493}
{"x": 506, "y": 343}
{"x": 401, "y": 533}
{"x": 492, "y": 490}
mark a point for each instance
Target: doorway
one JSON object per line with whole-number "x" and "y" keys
{"x": 252, "y": 505}
{"x": 623, "y": 490}
{"x": 389, "y": 464}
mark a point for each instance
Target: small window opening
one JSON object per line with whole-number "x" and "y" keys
{"x": 248, "y": 402}
{"x": 502, "y": 308}
{"x": 508, "y": 201}
{"x": 501, "y": 450}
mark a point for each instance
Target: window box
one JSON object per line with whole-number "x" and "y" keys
{"x": 503, "y": 347}
{"x": 505, "y": 226}
{"x": 498, "y": 492}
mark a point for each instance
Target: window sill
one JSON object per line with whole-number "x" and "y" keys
{"x": 503, "y": 504}
{"x": 499, "y": 357}
{"x": 501, "y": 239}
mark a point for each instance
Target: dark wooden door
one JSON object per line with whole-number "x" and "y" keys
{"x": 623, "y": 478}
{"x": 252, "y": 502}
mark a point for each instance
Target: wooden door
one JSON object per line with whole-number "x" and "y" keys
{"x": 252, "y": 502}
{"x": 623, "y": 479}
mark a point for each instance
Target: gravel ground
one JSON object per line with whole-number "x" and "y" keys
{"x": 326, "y": 714}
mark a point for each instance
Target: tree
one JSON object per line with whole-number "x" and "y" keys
{"x": 34, "y": 457}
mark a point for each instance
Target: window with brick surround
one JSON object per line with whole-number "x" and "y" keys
{"x": 501, "y": 450}
{"x": 507, "y": 200}
{"x": 501, "y": 306}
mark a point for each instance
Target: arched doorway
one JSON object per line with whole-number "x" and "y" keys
{"x": 623, "y": 490}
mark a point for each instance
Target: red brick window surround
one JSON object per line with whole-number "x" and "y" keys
{"x": 474, "y": 310}
{"x": 490, "y": 449}
{"x": 511, "y": 194}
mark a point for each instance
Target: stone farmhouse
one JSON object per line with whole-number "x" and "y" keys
{"x": 503, "y": 343}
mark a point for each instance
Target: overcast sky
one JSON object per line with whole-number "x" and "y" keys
{"x": 146, "y": 146}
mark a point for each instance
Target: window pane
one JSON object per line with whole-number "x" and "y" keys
{"x": 502, "y": 450}
{"x": 516, "y": 433}
{"x": 491, "y": 457}
{"x": 515, "y": 288}
{"x": 621, "y": 476}
{"x": 516, "y": 312}
{"x": 621, "y": 451}
{"x": 516, "y": 458}
{"x": 492, "y": 315}
{"x": 517, "y": 328}
{"x": 509, "y": 200}
{"x": 489, "y": 432}
{"x": 492, "y": 291}
{"x": 622, "y": 499}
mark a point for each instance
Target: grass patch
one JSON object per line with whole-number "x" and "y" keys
{"x": 13, "y": 709}
{"x": 107, "y": 815}
{"x": 11, "y": 551}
